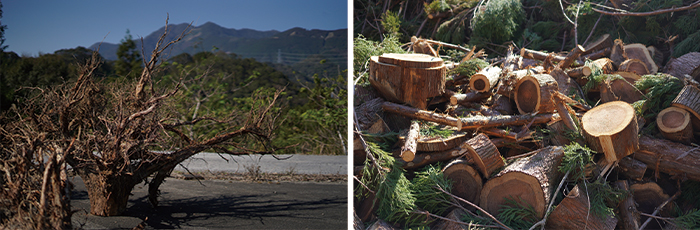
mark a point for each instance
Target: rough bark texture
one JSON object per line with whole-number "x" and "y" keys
{"x": 455, "y": 214}
{"x": 656, "y": 54}
{"x": 619, "y": 90}
{"x": 485, "y": 79}
{"x": 669, "y": 157}
{"x": 423, "y": 159}
{"x": 641, "y": 53}
{"x": 462, "y": 98}
{"x": 579, "y": 72}
{"x": 408, "y": 78}
{"x": 409, "y": 149}
{"x": 689, "y": 99}
{"x": 617, "y": 54}
{"x": 466, "y": 181}
{"x": 484, "y": 154}
{"x": 108, "y": 195}
{"x": 507, "y": 84}
{"x": 440, "y": 144}
{"x": 505, "y": 120}
{"x": 531, "y": 178}
{"x": 674, "y": 124}
{"x": 381, "y": 225}
{"x": 631, "y": 168}
{"x": 627, "y": 209}
{"x": 421, "y": 114}
{"x": 368, "y": 113}
{"x": 565, "y": 84}
{"x": 571, "y": 57}
{"x": 574, "y": 213}
{"x": 533, "y": 93}
{"x": 611, "y": 128}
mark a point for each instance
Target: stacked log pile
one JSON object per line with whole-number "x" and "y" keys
{"x": 510, "y": 130}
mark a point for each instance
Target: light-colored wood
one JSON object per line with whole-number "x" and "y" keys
{"x": 533, "y": 93}
{"x": 466, "y": 181}
{"x": 634, "y": 66}
{"x": 473, "y": 96}
{"x": 475, "y": 122}
{"x": 571, "y": 57}
{"x": 656, "y": 54}
{"x": 408, "y": 150}
{"x": 530, "y": 179}
{"x": 579, "y": 72}
{"x": 565, "y": 84}
{"x": 421, "y": 114}
{"x": 538, "y": 55}
{"x": 437, "y": 144}
{"x": 612, "y": 89}
{"x": 484, "y": 154}
{"x": 669, "y": 157}
{"x": 611, "y": 128}
{"x": 408, "y": 78}
{"x": 640, "y": 52}
{"x": 627, "y": 209}
{"x": 485, "y": 79}
{"x": 574, "y": 212}
{"x": 423, "y": 159}
{"x": 674, "y": 124}
{"x": 507, "y": 83}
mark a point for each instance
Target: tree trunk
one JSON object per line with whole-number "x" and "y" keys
{"x": 505, "y": 120}
{"x": 579, "y": 72}
{"x": 627, "y": 209}
{"x": 683, "y": 65}
{"x": 620, "y": 89}
{"x": 571, "y": 57}
{"x": 462, "y": 98}
{"x": 611, "y": 128}
{"x": 423, "y": 159}
{"x": 669, "y": 157}
{"x": 574, "y": 212}
{"x": 421, "y": 114}
{"x": 484, "y": 154}
{"x": 674, "y": 124}
{"x": 408, "y": 78}
{"x": 108, "y": 194}
{"x": 440, "y": 144}
{"x": 533, "y": 93}
{"x": 485, "y": 79}
{"x": 530, "y": 179}
{"x": 641, "y": 53}
{"x": 408, "y": 151}
{"x": 603, "y": 42}
{"x": 466, "y": 181}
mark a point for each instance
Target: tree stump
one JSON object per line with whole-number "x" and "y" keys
{"x": 485, "y": 79}
{"x": 530, "y": 179}
{"x": 641, "y": 53}
{"x": 674, "y": 124}
{"x": 408, "y": 78}
{"x": 611, "y": 128}
{"x": 574, "y": 213}
{"x": 484, "y": 154}
{"x": 533, "y": 93}
{"x": 466, "y": 181}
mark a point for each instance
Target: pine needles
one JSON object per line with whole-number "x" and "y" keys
{"x": 661, "y": 90}
{"x": 363, "y": 49}
{"x": 576, "y": 159}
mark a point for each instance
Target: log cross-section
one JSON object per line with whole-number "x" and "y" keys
{"x": 611, "y": 128}
{"x": 674, "y": 124}
{"x": 484, "y": 154}
{"x": 533, "y": 93}
{"x": 467, "y": 182}
{"x": 485, "y": 79}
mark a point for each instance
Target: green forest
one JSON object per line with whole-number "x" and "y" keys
{"x": 212, "y": 84}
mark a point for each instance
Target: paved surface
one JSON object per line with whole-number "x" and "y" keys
{"x": 299, "y": 164}
{"x": 220, "y": 204}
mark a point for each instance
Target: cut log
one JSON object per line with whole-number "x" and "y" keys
{"x": 421, "y": 114}
{"x": 530, "y": 179}
{"x": 423, "y": 159}
{"x": 507, "y": 83}
{"x": 538, "y": 55}
{"x": 437, "y": 144}
{"x": 574, "y": 212}
{"x": 640, "y": 52}
{"x": 466, "y": 181}
{"x": 565, "y": 112}
{"x": 502, "y": 104}
{"x": 533, "y": 93}
{"x": 669, "y": 157}
{"x": 611, "y": 128}
{"x": 558, "y": 130}
{"x": 683, "y": 65}
{"x": 674, "y": 124}
{"x": 649, "y": 196}
{"x": 472, "y": 96}
{"x": 484, "y": 154}
{"x": 408, "y": 78}
{"x": 565, "y": 84}
{"x": 368, "y": 113}
{"x": 627, "y": 209}
{"x": 688, "y": 99}
{"x": 605, "y": 64}
{"x": 500, "y": 133}
{"x": 617, "y": 53}
{"x": 632, "y": 169}
{"x": 634, "y": 66}
{"x": 616, "y": 89}
{"x": 571, "y": 57}
{"x": 603, "y": 42}
{"x": 505, "y": 120}
{"x": 579, "y": 72}
{"x": 656, "y": 54}
{"x": 485, "y": 79}
{"x": 408, "y": 150}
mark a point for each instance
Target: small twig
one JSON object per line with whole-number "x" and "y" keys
{"x": 657, "y": 209}
{"x": 363, "y": 184}
{"x": 656, "y": 12}
{"x": 477, "y": 207}
{"x": 455, "y": 221}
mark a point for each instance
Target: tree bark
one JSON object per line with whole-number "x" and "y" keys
{"x": 669, "y": 157}
{"x": 408, "y": 151}
{"x": 565, "y": 84}
{"x": 531, "y": 179}
{"x": 484, "y": 154}
{"x": 421, "y": 114}
{"x": 611, "y": 128}
{"x": 423, "y": 159}
{"x": 634, "y": 66}
{"x": 507, "y": 83}
{"x": 485, "y": 79}
{"x": 641, "y": 53}
{"x": 617, "y": 54}
{"x": 466, "y": 181}
{"x": 408, "y": 78}
{"x": 475, "y": 122}
{"x": 533, "y": 93}
{"x": 578, "y": 72}
{"x": 574, "y": 212}
{"x": 627, "y": 209}
{"x": 674, "y": 124}
{"x": 683, "y": 65}
{"x": 632, "y": 169}
{"x": 571, "y": 57}
{"x": 462, "y": 98}
{"x": 108, "y": 193}
{"x": 620, "y": 89}
{"x": 649, "y": 196}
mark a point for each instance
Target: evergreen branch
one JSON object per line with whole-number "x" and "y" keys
{"x": 455, "y": 221}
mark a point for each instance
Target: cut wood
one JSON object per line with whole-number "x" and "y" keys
{"x": 507, "y": 83}
{"x": 616, "y": 89}
{"x": 500, "y": 133}
{"x": 565, "y": 84}
{"x": 605, "y": 64}
{"x": 368, "y": 113}
{"x": 669, "y": 157}
{"x": 485, "y": 79}
{"x": 533, "y": 93}
{"x": 436, "y": 144}
{"x": 631, "y": 168}
{"x": 421, "y": 114}
{"x": 649, "y": 196}
{"x": 603, "y": 42}
{"x": 656, "y": 54}
{"x": 571, "y": 57}
{"x": 674, "y": 124}
{"x": 627, "y": 209}
{"x": 683, "y": 65}
{"x": 597, "y": 54}
{"x": 484, "y": 154}
{"x": 530, "y": 180}
{"x": 408, "y": 150}
{"x": 634, "y": 66}
{"x": 565, "y": 112}
{"x": 617, "y": 53}
{"x": 689, "y": 99}
{"x": 423, "y": 159}
{"x": 640, "y": 52}
{"x": 408, "y": 78}
{"x": 502, "y": 104}
{"x": 505, "y": 120}
{"x": 579, "y": 72}
{"x": 472, "y": 96}
{"x": 466, "y": 181}
{"x": 611, "y": 128}
{"x": 574, "y": 212}
{"x": 538, "y": 55}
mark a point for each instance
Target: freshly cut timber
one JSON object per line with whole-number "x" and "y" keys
{"x": 627, "y": 208}
{"x": 674, "y": 124}
{"x": 571, "y": 57}
{"x": 640, "y": 52}
{"x": 634, "y": 66}
{"x": 656, "y": 54}
{"x": 617, "y": 54}
{"x": 538, "y": 55}
{"x": 507, "y": 83}
{"x": 485, "y": 79}
{"x": 649, "y": 196}
{"x": 460, "y": 98}
{"x": 475, "y": 122}
{"x": 421, "y": 114}
{"x": 565, "y": 84}
{"x": 530, "y": 179}
{"x": 408, "y": 78}
{"x": 689, "y": 99}
{"x": 605, "y": 64}
{"x": 484, "y": 154}
{"x": 579, "y": 72}
{"x": 669, "y": 157}
{"x": 611, "y": 128}
{"x": 574, "y": 212}
{"x": 423, "y": 159}
{"x": 604, "y": 41}
{"x": 683, "y": 65}
{"x": 533, "y": 93}
{"x": 436, "y": 144}
{"x": 466, "y": 181}
{"x": 408, "y": 151}
{"x": 617, "y": 89}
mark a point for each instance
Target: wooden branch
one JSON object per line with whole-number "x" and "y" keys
{"x": 421, "y": 114}
{"x": 669, "y": 157}
{"x": 651, "y": 13}
{"x": 632, "y": 169}
{"x": 571, "y": 57}
{"x": 408, "y": 150}
{"x": 505, "y": 120}
{"x": 462, "y": 98}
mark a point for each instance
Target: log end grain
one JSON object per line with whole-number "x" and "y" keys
{"x": 611, "y": 128}
{"x": 466, "y": 181}
{"x": 674, "y": 124}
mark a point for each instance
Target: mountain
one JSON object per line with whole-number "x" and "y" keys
{"x": 287, "y": 47}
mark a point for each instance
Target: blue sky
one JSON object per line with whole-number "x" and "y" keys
{"x": 46, "y": 26}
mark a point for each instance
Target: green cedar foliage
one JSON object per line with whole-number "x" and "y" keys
{"x": 129, "y": 61}
{"x": 660, "y": 90}
{"x": 363, "y": 49}
{"x": 517, "y": 215}
{"x": 690, "y": 44}
{"x": 425, "y": 184}
{"x": 577, "y": 160}
{"x": 2, "y": 32}
{"x": 469, "y": 67}
{"x": 498, "y": 23}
